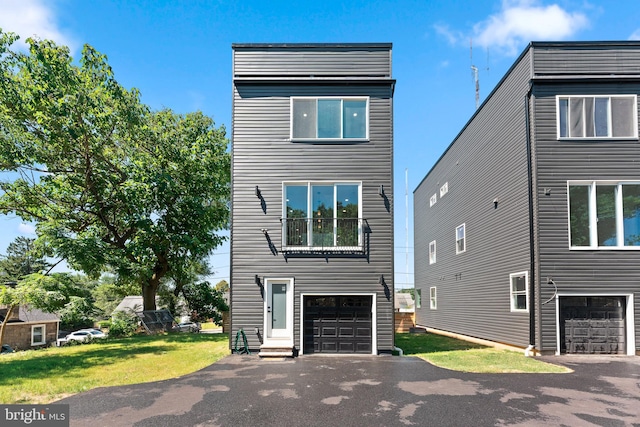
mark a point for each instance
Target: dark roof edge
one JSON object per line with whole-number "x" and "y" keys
{"x": 604, "y": 43}
{"x": 311, "y": 45}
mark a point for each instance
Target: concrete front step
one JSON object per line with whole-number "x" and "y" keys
{"x": 276, "y": 352}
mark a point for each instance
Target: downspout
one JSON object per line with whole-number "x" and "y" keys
{"x": 530, "y": 350}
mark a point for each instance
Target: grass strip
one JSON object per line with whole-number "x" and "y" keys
{"x": 458, "y": 355}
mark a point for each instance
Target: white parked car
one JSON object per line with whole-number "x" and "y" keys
{"x": 187, "y": 327}
{"x": 85, "y": 335}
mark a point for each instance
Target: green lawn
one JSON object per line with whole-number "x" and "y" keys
{"x": 458, "y": 355}
{"x": 209, "y": 325}
{"x": 42, "y": 376}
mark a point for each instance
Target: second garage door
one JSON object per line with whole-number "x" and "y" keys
{"x": 337, "y": 324}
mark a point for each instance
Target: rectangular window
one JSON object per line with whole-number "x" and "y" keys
{"x": 322, "y": 215}
{"x": 432, "y": 252}
{"x": 433, "y": 200}
{"x": 596, "y": 117}
{"x": 460, "y": 239}
{"x": 329, "y": 118}
{"x": 433, "y": 298}
{"x": 444, "y": 189}
{"x": 604, "y": 215}
{"x": 38, "y": 336}
{"x": 519, "y": 283}
{"x": 418, "y": 298}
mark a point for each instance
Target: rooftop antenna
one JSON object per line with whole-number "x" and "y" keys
{"x": 474, "y": 72}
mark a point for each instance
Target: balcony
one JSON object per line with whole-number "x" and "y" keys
{"x": 323, "y": 235}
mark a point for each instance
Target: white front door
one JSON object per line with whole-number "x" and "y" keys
{"x": 278, "y": 314}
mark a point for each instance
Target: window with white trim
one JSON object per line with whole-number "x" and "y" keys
{"x": 444, "y": 189}
{"x": 322, "y": 215}
{"x": 432, "y": 252}
{"x": 329, "y": 118}
{"x": 433, "y": 200}
{"x": 433, "y": 298}
{"x": 418, "y": 297}
{"x": 519, "y": 289}
{"x": 38, "y": 335}
{"x": 595, "y": 117}
{"x": 604, "y": 215}
{"x": 460, "y": 239}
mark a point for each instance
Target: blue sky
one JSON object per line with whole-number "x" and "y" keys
{"x": 178, "y": 53}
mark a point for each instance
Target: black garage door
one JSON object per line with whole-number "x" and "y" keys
{"x": 592, "y": 325}
{"x": 337, "y": 324}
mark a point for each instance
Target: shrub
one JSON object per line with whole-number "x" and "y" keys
{"x": 122, "y": 325}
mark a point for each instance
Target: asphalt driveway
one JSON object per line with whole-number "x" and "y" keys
{"x": 370, "y": 391}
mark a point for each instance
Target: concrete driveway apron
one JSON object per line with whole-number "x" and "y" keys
{"x": 370, "y": 391}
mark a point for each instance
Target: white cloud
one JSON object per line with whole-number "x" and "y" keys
{"x": 453, "y": 37}
{"x": 522, "y": 21}
{"x": 635, "y": 35}
{"x": 29, "y": 18}
{"x": 27, "y": 229}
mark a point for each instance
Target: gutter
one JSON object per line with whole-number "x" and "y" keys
{"x": 530, "y": 350}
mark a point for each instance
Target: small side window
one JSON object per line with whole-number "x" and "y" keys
{"x": 444, "y": 189}
{"x": 461, "y": 245}
{"x": 519, "y": 291}
{"x": 433, "y": 298}
{"x": 432, "y": 252}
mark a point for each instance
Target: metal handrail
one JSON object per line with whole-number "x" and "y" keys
{"x": 322, "y": 233}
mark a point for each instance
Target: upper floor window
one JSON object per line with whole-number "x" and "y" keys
{"x": 604, "y": 215}
{"x": 329, "y": 118}
{"x": 322, "y": 216}
{"x": 460, "y": 239}
{"x": 444, "y": 189}
{"x": 599, "y": 116}
{"x": 432, "y": 252}
{"x": 433, "y": 200}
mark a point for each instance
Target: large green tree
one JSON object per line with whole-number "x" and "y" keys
{"x": 110, "y": 184}
{"x": 21, "y": 260}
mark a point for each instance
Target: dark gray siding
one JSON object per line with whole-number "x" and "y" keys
{"x": 589, "y": 59}
{"x": 263, "y": 156}
{"x": 374, "y": 60}
{"x": 487, "y": 161}
{"x": 579, "y": 271}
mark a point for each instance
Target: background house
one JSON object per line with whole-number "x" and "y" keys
{"x": 526, "y": 229}
{"x": 29, "y": 328}
{"x": 312, "y": 216}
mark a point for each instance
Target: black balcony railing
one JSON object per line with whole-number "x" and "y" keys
{"x": 322, "y": 234}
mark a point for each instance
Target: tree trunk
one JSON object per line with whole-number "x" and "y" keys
{"x": 149, "y": 295}
{"x": 150, "y": 289}
{"x": 4, "y": 322}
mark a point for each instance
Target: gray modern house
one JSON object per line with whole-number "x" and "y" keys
{"x": 527, "y": 229}
{"x": 312, "y": 201}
